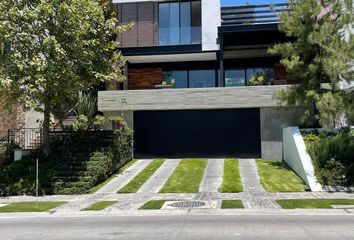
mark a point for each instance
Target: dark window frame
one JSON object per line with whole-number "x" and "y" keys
{"x": 216, "y": 75}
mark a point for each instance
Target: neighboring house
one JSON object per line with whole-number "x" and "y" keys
{"x": 190, "y": 68}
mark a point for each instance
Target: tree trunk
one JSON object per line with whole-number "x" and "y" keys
{"x": 46, "y": 123}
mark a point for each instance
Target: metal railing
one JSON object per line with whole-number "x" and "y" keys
{"x": 252, "y": 14}
{"x": 25, "y": 138}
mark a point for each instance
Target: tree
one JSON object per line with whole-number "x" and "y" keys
{"x": 319, "y": 56}
{"x": 58, "y": 49}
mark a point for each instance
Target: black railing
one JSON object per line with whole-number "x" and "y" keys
{"x": 25, "y": 138}
{"x": 252, "y": 14}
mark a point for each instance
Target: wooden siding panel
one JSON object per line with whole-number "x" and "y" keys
{"x": 191, "y": 98}
{"x": 144, "y": 78}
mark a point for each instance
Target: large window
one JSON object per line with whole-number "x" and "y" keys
{"x": 191, "y": 78}
{"x": 179, "y": 23}
{"x": 248, "y": 76}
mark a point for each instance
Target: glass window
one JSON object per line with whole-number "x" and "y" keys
{"x": 180, "y": 78}
{"x": 202, "y": 78}
{"x": 186, "y": 33}
{"x": 164, "y": 23}
{"x": 179, "y": 23}
{"x": 174, "y": 23}
{"x": 235, "y": 77}
{"x": 196, "y": 21}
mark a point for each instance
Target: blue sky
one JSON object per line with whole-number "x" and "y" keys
{"x": 242, "y": 2}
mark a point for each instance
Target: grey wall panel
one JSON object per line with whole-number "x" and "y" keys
{"x": 192, "y": 98}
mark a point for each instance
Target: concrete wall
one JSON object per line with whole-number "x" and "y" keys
{"x": 211, "y": 20}
{"x": 273, "y": 120}
{"x": 296, "y": 156}
{"x": 190, "y": 98}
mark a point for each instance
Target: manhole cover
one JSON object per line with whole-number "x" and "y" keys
{"x": 187, "y": 204}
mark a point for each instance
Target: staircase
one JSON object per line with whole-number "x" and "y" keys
{"x": 72, "y": 176}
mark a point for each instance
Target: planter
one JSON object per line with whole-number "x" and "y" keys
{"x": 163, "y": 86}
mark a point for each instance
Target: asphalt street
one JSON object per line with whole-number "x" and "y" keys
{"x": 304, "y": 227}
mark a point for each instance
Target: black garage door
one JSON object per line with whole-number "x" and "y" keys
{"x": 197, "y": 133}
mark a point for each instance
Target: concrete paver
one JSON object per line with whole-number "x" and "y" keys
{"x": 124, "y": 178}
{"x": 255, "y": 196}
{"x": 160, "y": 177}
{"x": 213, "y": 174}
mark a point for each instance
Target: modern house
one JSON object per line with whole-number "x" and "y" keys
{"x": 199, "y": 79}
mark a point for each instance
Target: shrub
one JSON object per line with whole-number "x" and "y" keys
{"x": 100, "y": 166}
{"x": 98, "y": 122}
{"x": 333, "y": 156}
{"x": 81, "y": 123}
{"x": 7, "y": 153}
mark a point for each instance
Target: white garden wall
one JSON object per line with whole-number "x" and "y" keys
{"x": 296, "y": 156}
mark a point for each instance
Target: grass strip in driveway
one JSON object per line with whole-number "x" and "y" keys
{"x": 30, "y": 206}
{"x": 136, "y": 183}
{"x": 187, "y": 176}
{"x": 231, "y": 182}
{"x": 276, "y": 176}
{"x": 229, "y": 204}
{"x": 121, "y": 170}
{"x": 153, "y": 205}
{"x": 98, "y": 206}
{"x": 313, "y": 203}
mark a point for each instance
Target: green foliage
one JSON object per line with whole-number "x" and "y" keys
{"x": 120, "y": 170}
{"x": 58, "y": 49}
{"x": 18, "y": 178}
{"x": 88, "y": 105}
{"x": 187, "y": 176}
{"x": 153, "y": 205}
{"x": 256, "y": 80}
{"x": 231, "y": 179}
{"x": 98, "y": 206}
{"x": 135, "y": 184}
{"x": 321, "y": 50}
{"x": 333, "y": 157}
{"x": 81, "y": 123}
{"x": 230, "y": 204}
{"x": 100, "y": 165}
{"x": 30, "y": 206}
{"x": 313, "y": 203}
{"x": 99, "y": 122}
{"x": 330, "y": 107}
{"x": 7, "y": 153}
{"x": 276, "y": 176}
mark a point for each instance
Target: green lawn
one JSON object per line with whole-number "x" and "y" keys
{"x": 153, "y": 204}
{"x": 122, "y": 169}
{"x": 187, "y": 176}
{"x": 134, "y": 185}
{"x": 313, "y": 203}
{"x": 227, "y": 204}
{"x": 276, "y": 176}
{"x": 98, "y": 206}
{"x": 231, "y": 180}
{"x": 30, "y": 206}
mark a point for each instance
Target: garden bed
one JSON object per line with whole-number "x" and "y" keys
{"x": 332, "y": 154}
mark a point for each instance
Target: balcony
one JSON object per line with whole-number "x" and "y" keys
{"x": 189, "y": 98}
{"x": 252, "y": 14}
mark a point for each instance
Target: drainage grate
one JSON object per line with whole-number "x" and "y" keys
{"x": 187, "y": 204}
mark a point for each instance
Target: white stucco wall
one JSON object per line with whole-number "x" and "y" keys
{"x": 211, "y": 20}
{"x": 33, "y": 119}
{"x": 296, "y": 156}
